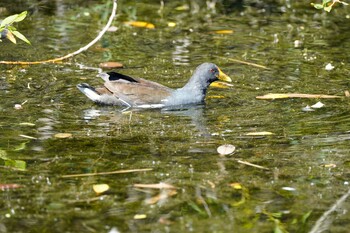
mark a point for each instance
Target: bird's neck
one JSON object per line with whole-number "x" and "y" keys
{"x": 196, "y": 84}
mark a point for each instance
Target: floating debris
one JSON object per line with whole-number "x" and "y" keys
{"x": 317, "y": 105}
{"x": 263, "y": 133}
{"x": 171, "y": 24}
{"x": 307, "y": 109}
{"x": 329, "y": 67}
{"x": 140, "y": 24}
{"x": 63, "y": 135}
{"x": 226, "y": 149}
{"x": 295, "y": 95}
{"x": 100, "y": 188}
{"x": 111, "y": 65}
{"x": 140, "y": 216}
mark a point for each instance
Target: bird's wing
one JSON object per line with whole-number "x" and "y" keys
{"x": 136, "y": 91}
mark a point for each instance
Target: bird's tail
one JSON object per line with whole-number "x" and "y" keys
{"x": 89, "y": 91}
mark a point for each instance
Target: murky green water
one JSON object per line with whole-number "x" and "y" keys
{"x": 307, "y": 156}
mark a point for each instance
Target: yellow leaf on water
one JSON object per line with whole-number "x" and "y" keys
{"x": 100, "y": 188}
{"x": 263, "y": 133}
{"x": 63, "y": 135}
{"x": 140, "y": 216}
{"x": 226, "y": 149}
{"x": 140, "y": 24}
{"x": 171, "y": 24}
{"x": 223, "y": 31}
{"x": 236, "y": 185}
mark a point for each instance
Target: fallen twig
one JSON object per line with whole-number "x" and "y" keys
{"x": 160, "y": 185}
{"x": 26, "y": 136}
{"x": 252, "y": 164}
{"x": 108, "y": 173}
{"x": 86, "y": 47}
{"x": 296, "y": 95}
{"x": 245, "y": 62}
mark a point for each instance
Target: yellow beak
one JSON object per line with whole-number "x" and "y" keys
{"x": 224, "y": 77}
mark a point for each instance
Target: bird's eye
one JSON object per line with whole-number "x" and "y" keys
{"x": 212, "y": 71}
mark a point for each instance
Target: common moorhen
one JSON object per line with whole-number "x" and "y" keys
{"x": 126, "y": 91}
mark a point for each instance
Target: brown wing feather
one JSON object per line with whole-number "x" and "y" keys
{"x": 140, "y": 92}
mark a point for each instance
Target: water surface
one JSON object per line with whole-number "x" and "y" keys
{"x": 306, "y": 156}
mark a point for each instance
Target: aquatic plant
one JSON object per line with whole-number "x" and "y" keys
{"x": 7, "y": 30}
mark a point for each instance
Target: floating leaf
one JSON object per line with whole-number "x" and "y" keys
{"x": 236, "y": 185}
{"x": 263, "y": 133}
{"x": 140, "y": 216}
{"x": 140, "y": 24}
{"x": 223, "y": 31}
{"x": 226, "y": 149}
{"x": 111, "y": 65}
{"x": 171, "y": 24}
{"x": 100, "y": 188}
{"x": 296, "y": 95}
{"x": 63, "y": 135}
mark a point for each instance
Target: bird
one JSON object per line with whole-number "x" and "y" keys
{"x": 130, "y": 92}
